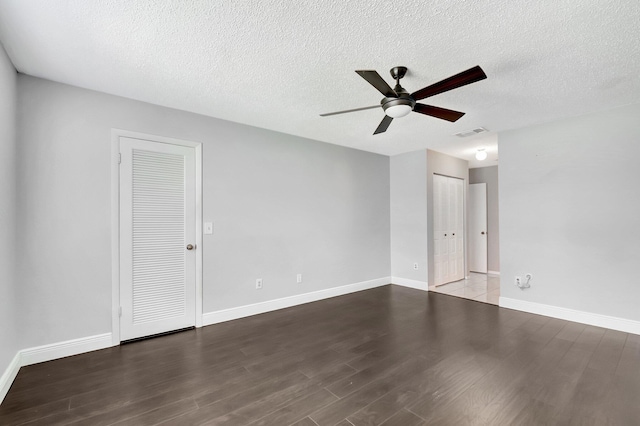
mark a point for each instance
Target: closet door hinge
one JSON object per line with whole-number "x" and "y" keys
{"x": 119, "y": 158}
{"x": 120, "y": 311}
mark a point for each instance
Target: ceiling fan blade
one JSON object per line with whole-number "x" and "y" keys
{"x": 465, "y": 77}
{"x": 443, "y": 113}
{"x": 378, "y": 82}
{"x": 349, "y": 110}
{"x": 384, "y": 124}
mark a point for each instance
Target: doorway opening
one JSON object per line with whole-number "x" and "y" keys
{"x": 483, "y": 261}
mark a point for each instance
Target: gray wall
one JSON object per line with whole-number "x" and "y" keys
{"x": 409, "y": 215}
{"x": 442, "y": 164}
{"x": 489, "y": 175}
{"x": 570, "y": 212}
{"x": 8, "y": 320}
{"x": 280, "y": 204}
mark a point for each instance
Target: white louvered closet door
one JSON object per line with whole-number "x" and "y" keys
{"x": 440, "y": 229}
{"x": 157, "y": 224}
{"x": 448, "y": 229}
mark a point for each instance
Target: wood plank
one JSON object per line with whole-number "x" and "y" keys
{"x": 159, "y": 414}
{"x": 355, "y": 401}
{"x": 238, "y": 400}
{"x": 297, "y": 410}
{"x": 609, "y": 351}
{"x": 305, "y": 422}
{"x": 404, "y": 418}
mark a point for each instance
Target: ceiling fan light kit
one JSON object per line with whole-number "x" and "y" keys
{"x": 397, "y": 109}
{"x": 481, "y": 154}
{"x": 397, "y": 102}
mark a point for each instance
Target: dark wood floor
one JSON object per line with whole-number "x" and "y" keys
{"x": 387, "y": 356}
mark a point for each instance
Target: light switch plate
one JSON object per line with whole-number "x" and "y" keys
{"x": 208, "y": 228}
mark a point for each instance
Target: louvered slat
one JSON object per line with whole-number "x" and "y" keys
{"x": 158, "y": 236}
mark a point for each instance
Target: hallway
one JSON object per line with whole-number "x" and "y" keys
{"x": 479, "y": 287}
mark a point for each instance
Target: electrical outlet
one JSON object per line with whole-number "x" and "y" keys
{"x": 258, "y": 283}
{"x": 415, "y": 266}
{"x": 299, "y": 278}
{"x": 518, "y": 281}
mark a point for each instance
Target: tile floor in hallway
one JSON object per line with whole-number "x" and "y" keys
{"x": 480, "y": 287}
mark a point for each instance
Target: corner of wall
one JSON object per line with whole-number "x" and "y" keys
{"x": 50, "y": 352}
{"x": 9, "y": 213}
{"x": 408, "y": 216}
{"x": 9, "y": 375}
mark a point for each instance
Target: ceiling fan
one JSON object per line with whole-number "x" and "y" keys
{"x": 397, "y": 102}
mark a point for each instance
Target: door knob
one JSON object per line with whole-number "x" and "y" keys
{"x": 445, "y": 235}
{"x": 482, "y": 232}
{"x": 190, "y": 247}
{"x": 453, "y": 235}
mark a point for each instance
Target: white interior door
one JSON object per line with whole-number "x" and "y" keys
{"x": 440, "y": 218}
{"x": 157, "y": 237}
{"x": 478, "y": 227}
{"x": 456, "y": 229}
{"x": 448, "y": 229}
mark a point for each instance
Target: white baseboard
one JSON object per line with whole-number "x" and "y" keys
{"x": 598, "y": 320}
{"x": 9, "y": 376}
{"x": 287, "y": 302}
{"x": 405, "y": 282}
{"x": 50, "y": 352}
{"x": 493, "y": 272}
{"x": 63, "y": 349}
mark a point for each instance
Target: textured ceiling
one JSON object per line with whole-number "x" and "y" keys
{"x": 277, "y": 64}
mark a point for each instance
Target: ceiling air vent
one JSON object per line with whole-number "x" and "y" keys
{"x": 471, "y": 132}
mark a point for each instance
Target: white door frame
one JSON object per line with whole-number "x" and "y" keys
{"x": 116, "y": 134}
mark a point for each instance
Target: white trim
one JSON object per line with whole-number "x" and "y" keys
{"x": 598, "y": 320}
{"x": 115, "y": 236}
{"x": 50, "y": 352}
{"x": 223, "y": 315}
{"x": 405, "y": 282}
{"x": 64, "y": 349}
{"x": 199, "y": 245}
{"x": 116, "y": 134}
{"x": 9, "y": 376}
{"x": 493, "y": 272}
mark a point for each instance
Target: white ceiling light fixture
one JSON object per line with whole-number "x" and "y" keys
{"x": 397, "y": 110}
{"x": 481, "y": 154}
